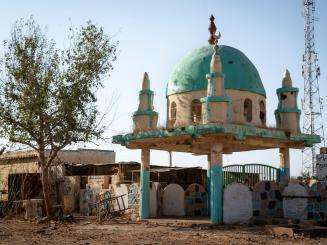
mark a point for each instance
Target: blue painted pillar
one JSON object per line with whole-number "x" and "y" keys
{"x": 208, "y": 183}
{"x": 284, "y": 155}
{"x": 145, "y": 184}
{"x": 216, "y": 184}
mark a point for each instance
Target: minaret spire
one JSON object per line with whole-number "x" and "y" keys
{"x": 287, "y": 80}
{"x": 145, "y": 81}
{"x": 287, "y": 113}
{"x": 145, "y": 118}
{"x": 216, "y": 102}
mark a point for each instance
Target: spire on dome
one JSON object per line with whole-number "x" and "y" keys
{"x": 145, "y": 82}
{"x": 212, "y": 30}
{"x": 213, "y": 38}
{"x": 215, "y": 64}
{"x": 287, "y": 80}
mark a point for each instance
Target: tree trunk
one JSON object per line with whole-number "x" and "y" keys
{"x": 46, "y": 190}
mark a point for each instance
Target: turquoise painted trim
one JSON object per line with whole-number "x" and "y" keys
{"x": 285, "y": 174}
{"x": 238, "y": 131}
{"x": 223, "y": 98}
{"x": 215, "y": 74}
{"x": 288, "y": 110}
{"x": 145, "y": 194}
{"x": 146, "y": 91}
{"x": 287, "y": 89}
{"x": 240, "y": 73}
{"x": 216, "y": 191}
{"x": 208, "y": 189}
{"x": 146, "y": 112}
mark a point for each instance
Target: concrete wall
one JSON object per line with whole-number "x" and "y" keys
{"x": 183, "y": 105}
{"x": 87, "y": 156}
{"x": 289, "y": 122}
{"x": 81, "y": 156}
{"x": 267, "y": 200}
{"x": 18, "y": 168}
{"x": 26, "y": 162}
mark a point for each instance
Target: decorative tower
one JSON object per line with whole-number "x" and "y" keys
{"x": 216, "y": 104}
{"x": 287, "y": 113}
{"x": 145, "y": 118}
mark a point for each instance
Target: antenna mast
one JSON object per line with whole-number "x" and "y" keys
{"x": 312, "y": 105}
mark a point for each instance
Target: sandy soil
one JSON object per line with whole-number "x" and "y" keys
{"x": 153, "y": 232}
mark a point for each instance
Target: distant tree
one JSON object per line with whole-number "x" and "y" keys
{"x": 48, "y": 97}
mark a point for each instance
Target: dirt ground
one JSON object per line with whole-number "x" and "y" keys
{"x": 18, "y": 231}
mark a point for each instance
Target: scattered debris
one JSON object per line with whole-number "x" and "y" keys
{"x": 279, "y": 230}
{"x": 15, "y": 231}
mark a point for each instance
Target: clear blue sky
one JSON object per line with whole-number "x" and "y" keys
{"x": 155, "y": 35}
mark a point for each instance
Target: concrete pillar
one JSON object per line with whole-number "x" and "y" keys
{"x": 284, "y": 155}
{"x": 170, "y": 159}
{"x": 145, "y": 184}
{"x": 216, "y": 183}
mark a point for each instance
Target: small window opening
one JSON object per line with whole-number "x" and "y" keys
{"x": 283, "y": 96}
{"x": 173, "y": 112}
{"x": 196, "y": 111}
{"x": 262, "y": 112}
{"x": 247, "y": 110}
{"x": 230, "y": 62}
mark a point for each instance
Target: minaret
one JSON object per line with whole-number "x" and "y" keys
{"x": 287, "y": 113}
{"x": 145, "y": 118}
{"x": 216, "y": 104}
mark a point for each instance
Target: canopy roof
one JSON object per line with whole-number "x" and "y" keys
{"x": 197, "y": 138}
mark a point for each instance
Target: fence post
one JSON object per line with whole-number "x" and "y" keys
{"x": 243, "y": 174}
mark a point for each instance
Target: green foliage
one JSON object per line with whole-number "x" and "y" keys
{"x": 47, "y": 96}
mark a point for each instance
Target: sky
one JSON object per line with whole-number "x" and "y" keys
{"x": 155, "y": 35}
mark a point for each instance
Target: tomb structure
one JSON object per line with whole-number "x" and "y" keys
{"x": 216, "y": 105}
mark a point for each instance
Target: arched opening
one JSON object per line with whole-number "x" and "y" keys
{"x": 196, "y": 111}
{"x": 262, "y": 112}
{"x": 248, "y": 110}
{"x": 173, "y": 113}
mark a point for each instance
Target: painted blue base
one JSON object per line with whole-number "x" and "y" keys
{"x": 208, "y": 189}
{"x": 145, "y": 194}
{"x": 285, "y": 174}
{"x": 216, "y": 191}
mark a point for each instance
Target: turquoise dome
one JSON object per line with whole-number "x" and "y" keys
{"x": 240, "y": 73}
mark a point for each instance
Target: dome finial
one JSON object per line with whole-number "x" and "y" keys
{"x": 213, "y": 38}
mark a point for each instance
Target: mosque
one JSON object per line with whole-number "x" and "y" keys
{"x": 216, "y": 104}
